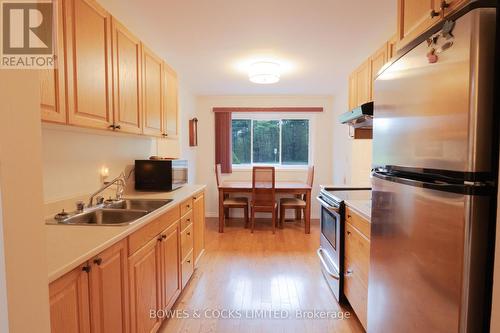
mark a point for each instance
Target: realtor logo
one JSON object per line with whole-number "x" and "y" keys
{"x": 27, "y": 34}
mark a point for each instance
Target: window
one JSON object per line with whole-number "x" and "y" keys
{"x": 281, "y": 141}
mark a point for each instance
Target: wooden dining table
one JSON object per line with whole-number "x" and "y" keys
{"x": 292, "y": 188}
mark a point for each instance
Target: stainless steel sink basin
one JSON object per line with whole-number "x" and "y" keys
{"x": 148, "y": 205}
{"x": 121, "y": 212}
{"x": 105, "y": 216}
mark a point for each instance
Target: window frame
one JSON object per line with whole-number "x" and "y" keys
{"x": 266, "y": 116}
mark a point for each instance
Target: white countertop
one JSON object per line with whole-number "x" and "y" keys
{"x": 69, "y": 245}
{"x": 362, "y": 207}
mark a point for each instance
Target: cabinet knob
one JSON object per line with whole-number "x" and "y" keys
{"x": 164, "y": 134}
{"x": 159, "y": 239}
{"x": 189, "y": 220}
{"x": 118, "y": 127}
{"x": 188, "y": 261}
{"x": 444, "y": 4}
{"x": 348, "y": 232}
{"x": 348, "y": 272}
{"x": 163, "y": 236}
{"x": 434, "y": 13}
{"x": 188, "y": 233}
{"x": 98, "y": 261}
{"x": 86, "y": 268}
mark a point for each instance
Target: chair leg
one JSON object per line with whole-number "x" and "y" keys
{"x": 282, "y": 216}
{"x": 253, "y": 217}
{"x": 304, "y": 212}
{"x": 245, "y": 213}
{"x": 274, "y": 221}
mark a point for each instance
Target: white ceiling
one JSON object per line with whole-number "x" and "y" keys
{"x": 209, "y": 42}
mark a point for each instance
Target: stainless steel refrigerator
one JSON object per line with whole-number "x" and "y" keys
{"x": 435, "y": 158}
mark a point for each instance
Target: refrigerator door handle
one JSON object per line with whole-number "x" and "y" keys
{"x": 464, "y": 188}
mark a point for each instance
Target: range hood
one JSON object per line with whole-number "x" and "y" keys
{"x": 359, "y": 117}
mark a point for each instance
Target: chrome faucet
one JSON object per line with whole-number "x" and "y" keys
{"x": 120, "y": 183}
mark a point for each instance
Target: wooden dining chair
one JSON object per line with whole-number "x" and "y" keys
{"x": 235, "y": 202}
{"x": 296, "y": 203}
{"x": 264, "y": 194}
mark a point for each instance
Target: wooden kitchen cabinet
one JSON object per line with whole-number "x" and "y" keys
{"x": 88, "y": 56}
{"x": 52, "y": 81}
{"x": 363, "y": 83}
{"x": 69, "y": 302}
{"x": 145, "y": 287}
{"x": 153, "y": 85}
{"x": 452, "y": 5}
{"x": 353, "y": 98}
{"x": 109, "y": 293}
{"x": 127, "y": 80}
{"x": 171, "y": 105}
{"x": 377, "y": 61}
{"x": 357, "y": 263}
{"x": 198, "y": 226}
{"x": 414, "y": 17}
{"x": 170, "y": 269}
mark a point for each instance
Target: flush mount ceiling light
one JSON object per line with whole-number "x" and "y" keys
{"x": 264, "y": 72}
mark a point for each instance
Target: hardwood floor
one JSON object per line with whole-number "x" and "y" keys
{"x": 248, "y": 272}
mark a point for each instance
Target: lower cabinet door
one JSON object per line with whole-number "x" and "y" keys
{"x": 187, "y": 268}
{"x": 145, "y": 295}
{"x": 69, "y": 303}
{"x": 170, "y": 255}
{"x": 109, "y": 290}
{"x": 198, "y": 226}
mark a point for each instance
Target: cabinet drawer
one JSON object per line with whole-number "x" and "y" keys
{"x": 186, "y": 241}
{"x": 359, "y": 222}
{"x": 186, "y": 220}
{"x": 186, "y": 206}
{"x": 139, "y": 238}
{"x": 198, "y": 195}
{"x": 187, "y": 267}
{"x": 356, "y": 292}
{"x": 357, "y": 253}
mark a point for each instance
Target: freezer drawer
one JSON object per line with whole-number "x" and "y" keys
{"x": 439, "y": 115}
{"x": 428, "y": 260}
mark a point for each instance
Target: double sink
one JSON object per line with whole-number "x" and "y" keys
{"x": 119, "y": 212}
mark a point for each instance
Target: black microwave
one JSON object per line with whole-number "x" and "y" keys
{"x": 160, "y": 175}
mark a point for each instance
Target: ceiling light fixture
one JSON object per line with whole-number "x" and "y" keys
{"x": 264, "y": 72}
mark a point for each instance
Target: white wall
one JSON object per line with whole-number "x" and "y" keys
{"x": 73, "y": 158}
{"x": 22, "y": 202}
{"x": 321, "y": 140}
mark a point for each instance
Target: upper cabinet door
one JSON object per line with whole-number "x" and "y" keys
{"x": 153, "y": 77}
{"x": 415, "y": 17}
{"x": 88, "y": 47}
{"x": 52, "y": 81}
{"x": 377, "y": 61}
{"x": 353, "y": 99}
{"x": 363, "y": 83}
{"x": 127, "y": 79}
{"x": 171, "y": 107}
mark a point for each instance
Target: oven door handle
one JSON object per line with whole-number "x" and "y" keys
{"x": 319, "y": 252}
{"x": 327, "y": 206}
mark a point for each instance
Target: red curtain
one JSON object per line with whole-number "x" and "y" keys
{"x": 223, "y": 148}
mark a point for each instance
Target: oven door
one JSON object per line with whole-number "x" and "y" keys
{"x": 329, "y": 251}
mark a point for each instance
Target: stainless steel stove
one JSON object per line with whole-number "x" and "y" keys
{"x": 331, "y": 250}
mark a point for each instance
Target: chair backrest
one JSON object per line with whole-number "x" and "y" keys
{"x": 263, "y": 186}
{"x": 218, "y": 174}
{"x": 310, "y": 175}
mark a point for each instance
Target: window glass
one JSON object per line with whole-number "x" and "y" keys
{"x": 241, "y": 141}
{"x": 295, "y": 141}
{"x": 266, "y": 141}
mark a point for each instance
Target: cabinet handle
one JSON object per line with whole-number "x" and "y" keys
{"x": 98, "y": 261}
{"x": 159, "y": 239}
{"x": 188, "y": 220}
{"x": 188, "y": 261}
{"x": 86, "y": 268}
{"x": 118, "y": 127}
{"x": 188, "y": 233}
{"x": 163, "y": 236}
{"x": 349, "y": 216}
{"x": 444, "y": 4}
{"x": 164, "y": 134}
{"x": 348, "y": 232}
{"x": 348, "y": 272}
{"x": 434, "y": 13}
{"x": 188, "y": 206}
